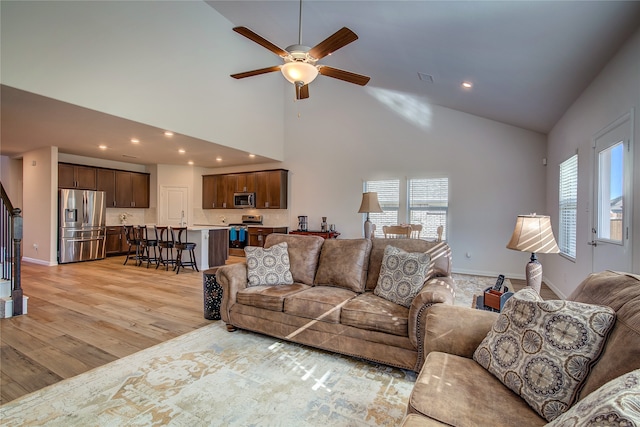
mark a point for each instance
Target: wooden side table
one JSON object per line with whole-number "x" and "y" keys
{"x": 323, "y": 234}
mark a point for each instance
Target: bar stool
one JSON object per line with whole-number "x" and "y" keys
{"x": 147, "y": 244}
{"x": 182, "y": 246}
{"x": 166, "y": 243}
{"x": 132, "y": 234}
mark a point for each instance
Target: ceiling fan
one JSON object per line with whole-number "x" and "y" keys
{"x": 300, "y": 62}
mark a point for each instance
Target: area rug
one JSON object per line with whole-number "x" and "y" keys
{"x": 210, "y": 377}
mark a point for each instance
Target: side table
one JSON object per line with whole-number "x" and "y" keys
{"x": 212, "y": 294}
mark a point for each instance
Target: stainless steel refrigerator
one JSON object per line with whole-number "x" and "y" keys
{"x": 82, "y": 219}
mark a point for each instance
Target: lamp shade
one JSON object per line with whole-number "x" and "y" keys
{"x": 533, "y": 233}
{"x": 297, "y": 71}
{"x": 370, "y": 203}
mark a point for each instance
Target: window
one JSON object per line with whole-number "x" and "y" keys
{"x": 389, "y": 199}
{"x": 568, "y": 204}
{"x": 414, "y": 201}
{"x": 428, "y": 204}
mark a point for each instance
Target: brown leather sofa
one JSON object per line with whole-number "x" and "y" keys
{"x": 331, "y": 305}
{"x": 453, "y": 390}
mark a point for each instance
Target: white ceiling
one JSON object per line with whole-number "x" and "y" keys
{"x": 528, "y": 61}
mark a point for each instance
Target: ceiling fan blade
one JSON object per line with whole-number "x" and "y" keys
{"x": 302, "y": 92}
{"x": 347, "y": 76}
{"x": 261, "y": 41}
{"x": 339, "y": 39}
{"x": 256, "y": 72}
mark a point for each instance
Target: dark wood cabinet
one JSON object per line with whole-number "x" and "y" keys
{"x": 116, "y": 242}
{"x": 76, "y": 176}
{"x": 106, "y": 181}
{"x": 323, "y": 234}
{"x": 132, "y": 189}
{"x": 271, "y": 189}
{"x": 258, "y": 234}
{"x": 218, "y": 247}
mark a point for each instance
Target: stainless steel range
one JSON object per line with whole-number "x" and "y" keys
{"x": 239, "y": 234}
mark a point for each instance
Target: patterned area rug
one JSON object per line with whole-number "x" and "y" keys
{"x": 468, "y": 286}
{"x": 212, "y": 377}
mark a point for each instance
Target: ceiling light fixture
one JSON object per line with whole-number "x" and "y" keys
{"x": 102, "y": 147}
{"x": 299, "y": 73}
{"x": 190, "y": 162}
{"x": 181, "y": 151}
{"x": 218, "y": 159}
{"x": 168, "y": 133}
{"x": 135, "y": 140}
{"x": 252, "y": 155}
{"x": 467, "y": 85}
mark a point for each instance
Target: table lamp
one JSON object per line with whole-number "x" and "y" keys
{"x": 369, "y": 204}
{"x": 533, "y": 234}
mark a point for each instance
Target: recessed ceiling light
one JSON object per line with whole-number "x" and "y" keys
{"x": 102, "y": 147}
{"x": 190, "y": 162}
{"x": 467, "y": 85}
{"x": 218, "y": 159}
{"x": 252, "y": 155}
{"x": 181, "y": 151}
{"x": 135, "y": 140}
{"x": 168, "y": 133}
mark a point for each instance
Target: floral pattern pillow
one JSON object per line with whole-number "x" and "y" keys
{"x": 268, "y": 266}
{"x": 544, "y": 350}
{"x": 402, "y": 275}
{"x": 616, "y": 403}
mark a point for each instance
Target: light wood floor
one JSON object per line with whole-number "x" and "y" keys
{"x": 84, "y": 315}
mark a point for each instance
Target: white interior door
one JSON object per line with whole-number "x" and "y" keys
{"x": 174, "y": 205}
{"x": 612, "y": 185}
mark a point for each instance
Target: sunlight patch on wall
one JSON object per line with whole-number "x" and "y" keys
{"x": 411, "y": 108}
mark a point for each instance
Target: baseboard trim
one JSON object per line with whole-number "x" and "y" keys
{"x": 39, "y": 261}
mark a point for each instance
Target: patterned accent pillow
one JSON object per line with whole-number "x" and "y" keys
{"x": 544, "y": 350}
{"x": 268, "y": 266}
{"x": 616, "y": 403}
{"x": 402, "y": 275}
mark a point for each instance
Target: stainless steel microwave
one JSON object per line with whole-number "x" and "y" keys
{"x": 244, "y": 200}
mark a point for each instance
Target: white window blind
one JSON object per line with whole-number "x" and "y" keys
{"x": 428, "y": 204}
{"x": 568, "y": 206}
{"x": 389, "y": 198}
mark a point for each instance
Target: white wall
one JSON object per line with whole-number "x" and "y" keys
{"x": 345, "y": 134}
{"x": 40, "y": 206}
{"x": 11, "y": 177}
{"x": 612, "y": 94}
{"x": 162, "y": 63}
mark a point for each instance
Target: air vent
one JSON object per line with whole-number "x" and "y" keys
{"x": 427, "y": 78}
{"x": 131, "y": 157}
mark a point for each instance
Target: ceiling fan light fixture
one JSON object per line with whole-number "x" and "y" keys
{"x": 298, "y": 71}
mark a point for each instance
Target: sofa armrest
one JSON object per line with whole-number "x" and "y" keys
{"x": 232, "y": 278}
{"x": 436, "y": 290}
{"x": 456, "y": 330}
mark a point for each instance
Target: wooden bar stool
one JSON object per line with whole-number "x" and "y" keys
{"x": 132, "y": 235}
{"x": 181, "y": 246}
{"x": 147, "y": 245}
{"x": 166, "y": 243}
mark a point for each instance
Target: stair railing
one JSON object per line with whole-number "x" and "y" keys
{"x": 10, "y": 248}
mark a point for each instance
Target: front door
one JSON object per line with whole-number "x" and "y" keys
{"x": 174, "y": 203}
{"x": 611, "y": 222}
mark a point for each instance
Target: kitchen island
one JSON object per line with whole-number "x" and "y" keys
{"x": 212, "y": 244}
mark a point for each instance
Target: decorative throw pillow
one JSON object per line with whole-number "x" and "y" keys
{"x": 402, "y": 275}
{"x": 268, "y": 266}
{"x": 544, "y": 350}
{"x": 616, "y": 403}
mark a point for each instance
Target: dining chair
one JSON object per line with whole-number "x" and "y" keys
{"x": 416, "y": 229}
{"x": 396, "y": 231}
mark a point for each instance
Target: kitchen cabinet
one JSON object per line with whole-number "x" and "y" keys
{"x": 218, "y": 247}
{"x": 214, "y": 192}
{"x": 132, "y": 189}
{"x": 76, "y": 176}
{"x": 106, "y": 181}
{"x": 116, "y": 242}
{"x": 271, "y": 189}
{"x": 258, "y": 234}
